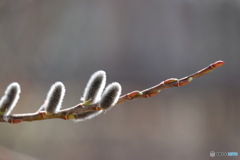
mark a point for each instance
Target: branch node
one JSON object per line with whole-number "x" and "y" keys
{"x": 43, "y": 113}
{"x": 170, "y": 80}
{"x": 153, "y": 94}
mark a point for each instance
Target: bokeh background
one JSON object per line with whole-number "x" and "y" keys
{"x": 138, "y": 43}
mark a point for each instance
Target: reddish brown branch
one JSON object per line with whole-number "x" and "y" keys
{"x": 80, "y": 108}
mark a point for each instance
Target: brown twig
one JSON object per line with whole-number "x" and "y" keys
{"x": 80, "y": 108}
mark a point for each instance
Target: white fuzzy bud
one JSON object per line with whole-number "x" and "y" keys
{"x": 110, "y": 95}
{"x": 54, "y": 98}
{"x": 9, "y": 100}
{"x": 94, "y": 87}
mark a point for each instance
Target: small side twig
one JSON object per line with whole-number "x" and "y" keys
{"x": 84, "y": 107}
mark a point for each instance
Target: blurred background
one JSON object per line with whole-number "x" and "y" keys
{"x": 138, "y": 44}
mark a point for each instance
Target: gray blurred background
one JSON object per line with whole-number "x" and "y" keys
{"x": 138, "y": 43}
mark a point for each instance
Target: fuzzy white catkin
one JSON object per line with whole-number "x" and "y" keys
{"x": 55, "y": 97}
{"x": 10, "y": 99}
{"x": 94, "y": 87}
{"x": 110, "y": 95}
{"x": 108, "y": 99}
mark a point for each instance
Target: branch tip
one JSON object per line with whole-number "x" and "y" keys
{"x": 218, "y": 64}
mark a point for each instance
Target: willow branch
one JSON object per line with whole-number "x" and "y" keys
{"x": 82, "y": 108}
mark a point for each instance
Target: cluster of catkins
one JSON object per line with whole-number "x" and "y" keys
{"x": 93, "y": 94}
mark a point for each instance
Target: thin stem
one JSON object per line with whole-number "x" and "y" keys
{"x": 80, "y": 108}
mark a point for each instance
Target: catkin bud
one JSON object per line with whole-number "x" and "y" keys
{"x": 110, "y": 95}
{"x": 54, "y": 98}
{"x": 9, "y": 100}
{"x": 86, "y": 115}
{"x": 94, "y": 87}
